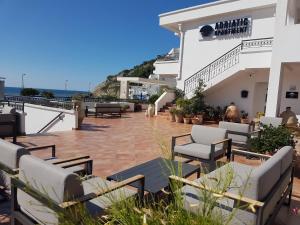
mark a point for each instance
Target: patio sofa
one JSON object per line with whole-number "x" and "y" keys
{"x": 31, "y": 205}
{"x": 240, "y": 134}
{"x": 255, "y": 193}
{"x": 10, "y": 155}
{"x": 8, "y": 123}
{"x": 105, "y": 108}
{"x": 274, "y": 121}
{"x": 207, "y": 145}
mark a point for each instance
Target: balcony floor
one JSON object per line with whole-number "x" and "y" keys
{"x": 131, "y": 140}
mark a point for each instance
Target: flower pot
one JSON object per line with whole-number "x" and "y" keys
{"x": 172, "y": 117}
{"x": 150, "y": 110}
{"x": 187, "y": 120}
{"x": 179, "y": 118}
{"x": 245, "y": 121}
{"x": 195, "y": 121}
{"x": 200, "y": 117}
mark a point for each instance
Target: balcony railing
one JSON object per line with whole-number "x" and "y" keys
{"x": 223, "y": 63}
{"x": 170, "y": 57}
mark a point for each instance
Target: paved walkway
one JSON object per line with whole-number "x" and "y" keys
{"x": 117, "y": 144}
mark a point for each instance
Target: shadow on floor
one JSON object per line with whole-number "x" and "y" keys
{"x": 90, "y": 127}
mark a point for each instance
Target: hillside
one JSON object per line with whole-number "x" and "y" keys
{"x": 111, "y": 87}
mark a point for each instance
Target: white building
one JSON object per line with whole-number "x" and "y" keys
{"x": 246, "y": 51}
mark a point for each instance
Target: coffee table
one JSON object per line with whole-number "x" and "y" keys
{"x": 156, "y": 172}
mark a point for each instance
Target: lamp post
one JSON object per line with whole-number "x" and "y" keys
{"x": 66, "y": 85}
{"x": 23, "y": 75}
{"x": 90, "y": 87}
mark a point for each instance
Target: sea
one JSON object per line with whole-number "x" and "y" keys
{"x": 57, "y": 93}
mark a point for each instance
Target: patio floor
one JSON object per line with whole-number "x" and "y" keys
{"x": 117, "y": 144}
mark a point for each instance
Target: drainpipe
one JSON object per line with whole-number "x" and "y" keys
{"x": 181, "y": 34}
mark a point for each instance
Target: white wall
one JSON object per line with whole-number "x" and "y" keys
{"x": 285, "y": 49}
{"x": 199, "y": 53}
{"x": 230, "y": 91}
{"x": 38, "y": 116}
{"x": 290, "y": 80}
{"x": 166, "y": 67}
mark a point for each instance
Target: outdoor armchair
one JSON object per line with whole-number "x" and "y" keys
{"x": 274, "y": 121}
{"x": 207, "y": 145}
{"x": 42, "y": 192}
{"x": 8, "y": 123}
{"x": 10, "y": 155}
{"x": 240, "y": 134}
{"x": 255, "y": 194}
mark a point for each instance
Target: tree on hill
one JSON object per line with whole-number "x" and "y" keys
{"x": 112, "y": 87}
{"x": 29, "y": 92}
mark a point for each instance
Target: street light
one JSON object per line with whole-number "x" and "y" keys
{"x": 66, "y": 85}
{"x": 23, "y": 75}
{"x": 90, "y": 87}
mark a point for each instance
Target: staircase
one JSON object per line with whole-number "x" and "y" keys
{"x": 229, "y": 60}
{"x": 164, "y": 112}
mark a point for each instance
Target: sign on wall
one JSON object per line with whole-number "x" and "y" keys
{"x": 226, "y": 28}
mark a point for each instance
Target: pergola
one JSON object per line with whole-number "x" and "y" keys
{"x": 124, "y": 84}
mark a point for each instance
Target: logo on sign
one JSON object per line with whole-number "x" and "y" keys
{"x": 228, "y": 27}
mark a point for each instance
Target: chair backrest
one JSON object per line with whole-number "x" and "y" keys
{"x": 263, "y": 178}
{"x": 56, "y": 183}
{"x": 236, "y": 127}
{"x": 9, "y": 158}
{"x": 207, "y": 135}
{"x": 10, "y": 154}
{"x": 107, "y": 105}
{"x": 8, "y": 109}
{"x": 274, "y": 121}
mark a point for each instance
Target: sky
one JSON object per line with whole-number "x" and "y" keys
{"x": 82, "y": 41}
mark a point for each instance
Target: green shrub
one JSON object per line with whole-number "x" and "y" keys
{"x": 153, "y": 99}
{"x": 197, "y": 102}
{"x": 47, "y": 94}
{"x": 272, "y": 139}
{"x": 29, "y": 92}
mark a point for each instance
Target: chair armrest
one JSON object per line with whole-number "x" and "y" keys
{"x": 182, "y": 135}
{"x": 247, "y": 153}
{"x": 174, "y": 142}
{"x": 222, "y": 141}
{"x": 37, "y": 148}
{"x": 59, "y": 161}
{"x": 87, "y": 162}
{"x": 114, "y": 187}
{"x": 74, "y": 163}
{"x": 256, "y": 132}
{"x": 252, "y": 204}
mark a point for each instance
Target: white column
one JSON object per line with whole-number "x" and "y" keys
{"x": 274, "y": 90}
{"x": 181, "y": 48}
{"x": 276, "y": 70}
{"x": 124, "y": 90}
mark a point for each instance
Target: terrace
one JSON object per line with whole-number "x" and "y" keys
{"x": 129, "y": 140}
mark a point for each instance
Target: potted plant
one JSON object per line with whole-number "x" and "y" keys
{"x": 179, "y": 115}
{"x": 187, "y": 111}
{"x": 172, "y": 112}
{"x": 272, "y": 139}
{"x": 151, "y": 106}
{"x": 244, "y": 117}
{"x": 124, "y": 108}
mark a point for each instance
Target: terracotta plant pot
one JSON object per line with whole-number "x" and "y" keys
{"x": 195, "y": 121}
{"x": 179, "y": 118}
{"x": 200, "y": 117}
{"x": 187, "y": 120}
{"x": 172, "y": 117}
{"x": 245, "y": 121}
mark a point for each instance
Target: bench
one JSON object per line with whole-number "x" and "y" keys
{"x": 105, "y": 108}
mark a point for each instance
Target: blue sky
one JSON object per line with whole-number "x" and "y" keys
{"x": 80, "y": 41}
